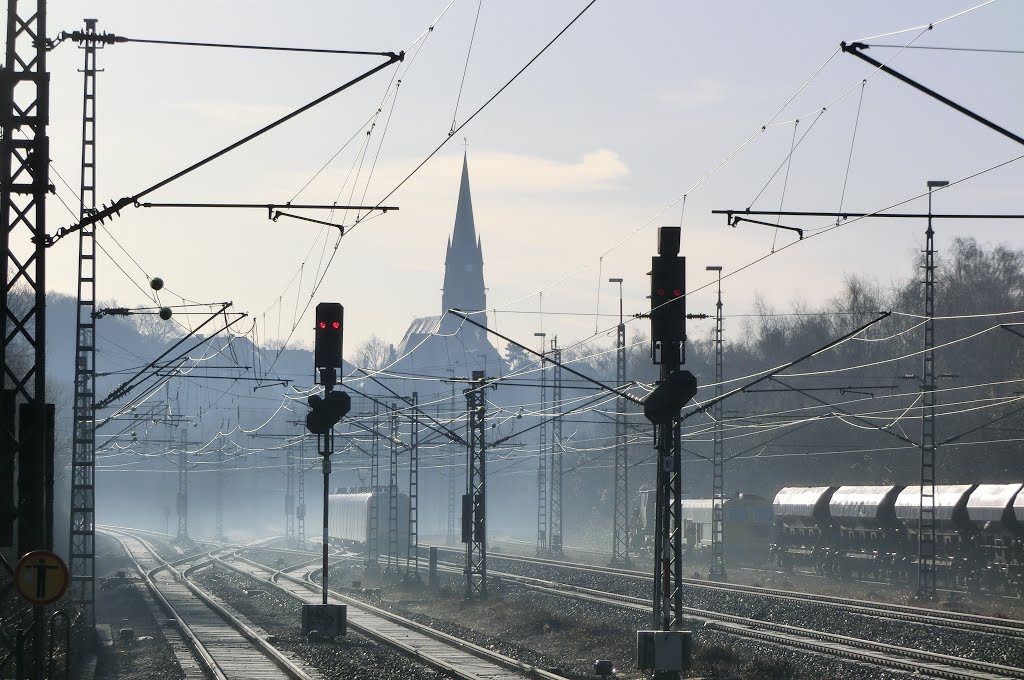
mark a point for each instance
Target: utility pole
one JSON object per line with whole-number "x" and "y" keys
{"x": 557, "y": 449}
{"x": 620, "y": 501}
{"x": 83, "y": 448}
{"x": 393, "y": 492}
{"x": 926, "y": 500}
{"x": 717, "y": 571}
{"x": 542, "y": 455}
{"x": 412, "y": 552}
{"x": 474, "y": 504}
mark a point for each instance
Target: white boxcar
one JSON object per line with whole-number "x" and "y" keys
{"x": 349, "y": 518}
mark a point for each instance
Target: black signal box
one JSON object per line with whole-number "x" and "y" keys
{"x": 329, "y": 335}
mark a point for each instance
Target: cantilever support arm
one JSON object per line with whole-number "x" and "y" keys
{"x": 774, "y": 372}
{"x": 857, "y": 50}
{"x": 886, "y": 430}
{"x": 108, "y": 212}
{"x": 544, "y": 357}
{"x": 440, "y": 428}
{"x": 735, "y": 220}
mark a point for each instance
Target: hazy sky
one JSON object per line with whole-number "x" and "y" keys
{"x": 571, "y": 167}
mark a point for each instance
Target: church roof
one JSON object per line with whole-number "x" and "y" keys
{"x": 424, "y": 325}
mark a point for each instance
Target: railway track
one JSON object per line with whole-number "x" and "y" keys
{"x": 436, "y": 648}
{"x": 1012, "y": 628}
{"x": 443, "y": 652}
{"x": 845, "y": 646}
{"x": 224, "y": 646}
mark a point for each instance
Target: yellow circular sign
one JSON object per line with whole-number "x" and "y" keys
{"x": 41, "y": 577}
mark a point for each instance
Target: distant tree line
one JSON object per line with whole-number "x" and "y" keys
{"x": 857, "y": 416}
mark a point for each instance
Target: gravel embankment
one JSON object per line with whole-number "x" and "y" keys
{"x": 965, "y": 644}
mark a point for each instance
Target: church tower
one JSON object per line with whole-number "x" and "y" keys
{"x": 445, "y": 343}
{"x": 463, "y": 265}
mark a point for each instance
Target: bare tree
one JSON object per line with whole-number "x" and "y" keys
{"x": 372, "y": 353}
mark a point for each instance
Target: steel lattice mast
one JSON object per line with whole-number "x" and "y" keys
{"x": 453, "y": 468}
{"x": 289, "y": 496}
{"x": 24, "y": 182}
{"x": 412, "y": 562}
{"x": 620, "y": 502}
{"x": 542, "y": 461}
{"x": 83, "y": 448}
{"x": 183, "y": 489}
{"x": 555, "y": 535}
{"x": 300, "y": 492}
{"x": 373, "y": 539}
{"x": 476, "y": 486}
{"x": 393, "y": 491}
{"x": 926, "y": 500}
{"x": 717, "y": 570}
{"x": 218, "y": 532}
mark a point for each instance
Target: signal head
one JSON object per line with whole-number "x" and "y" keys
{"x": 329, "y": 335}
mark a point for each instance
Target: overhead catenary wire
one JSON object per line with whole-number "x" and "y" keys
{"x": 487, "y": 102}
{"x": 853, "y": 141}
{"x": 763, "y": 128}
{"x": 465, "y": 68}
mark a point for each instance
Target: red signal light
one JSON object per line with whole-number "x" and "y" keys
{"x": 323, "y": 325}
{"x": 677, "y": 292}
{"x": 336, "y": 325}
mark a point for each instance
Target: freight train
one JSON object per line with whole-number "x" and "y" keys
{"x": 746, "y": 519}
{"x": 350, "y": 517}
{"x": 872, "y": 532}
{"x": 867, "y": 532}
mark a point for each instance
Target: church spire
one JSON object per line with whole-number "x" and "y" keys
{"x": 463, "y": 264}
{"x": 465, "y": 228}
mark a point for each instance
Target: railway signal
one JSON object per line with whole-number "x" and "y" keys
{"x": 665, "y": 649}
{"x": 324, "y": 414}
{"x": 668, "y": 304}
{"x": 329, "y": 337}
{"x": 326, "y": 411}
